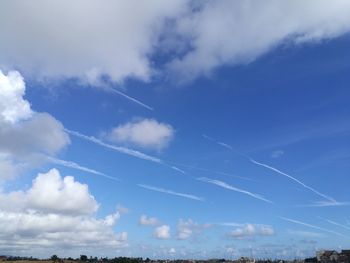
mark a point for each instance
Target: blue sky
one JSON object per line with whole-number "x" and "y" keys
{"x": 197, "y": 130}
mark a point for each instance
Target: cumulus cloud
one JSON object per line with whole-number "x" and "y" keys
{"x": 251, "y": 231}
{"x": 120, "y": 36}
{"x": 162, "y": 232}
{"x": 55, "y": 212}
{"x": 12, "y": 105}
{"x": 24, "y": 134}
{"x": 123, "y": 40}
{"x": 147, "y": 133}
{"x": 237, "y": 32}
{"x": 188, "y": 228}
{"x": 148, "y": 221}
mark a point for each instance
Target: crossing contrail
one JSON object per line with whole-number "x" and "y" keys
{"x": 232, "y": 188}
{"x": 331, "y": 199}
{"x": 312, "y": 226}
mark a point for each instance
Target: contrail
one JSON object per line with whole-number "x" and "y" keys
{"x": 120, "y": 149}
{"x": 132, "y": 99}
{"x": 124, "y": 150}
{"x": 272, "y": 169}
{"x": 312, "y": 226}
{"x": 170, "y": 192}
{"x": 294, "y": 179}
{"x": 232, "y": 188}
{"x": 76, "y": 166}
{"x": 216, "y": 172}
{"x": 335, "y": 223}
{"x": 326, "y": 204}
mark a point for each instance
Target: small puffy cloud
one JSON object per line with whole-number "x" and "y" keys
{"x": 55, "y": 212}
{"x": 162, "y": 232}
{"x": 148, "y": 221}
{"x": 25, "y": 135}
{"x": 146, "y": 133}
{"x": 186, "y": 229}
{"x": 251, "y": 231}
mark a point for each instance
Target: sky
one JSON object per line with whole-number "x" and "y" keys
{"x": 174, "y": 129}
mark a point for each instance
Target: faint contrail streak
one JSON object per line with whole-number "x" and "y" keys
{"x": 294, "y": 179}
{"x": 335, "y": 223}
{"x": 120, "y": 149}
{"x": 170, "y": 192}
{"x": 232, "y": 188}
{"x": 131, "y": 99}
{"x": 312, "y": 226}
{"x": 76, "y": 166}
{"x": 271, "y": 168}
{"x": 216, "y": 172}
{"x": 124, "y": 150}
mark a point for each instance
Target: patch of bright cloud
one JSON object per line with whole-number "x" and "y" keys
{"x": 162, "y": 232}
{"x": 24, "y": 134}
{"x": 13, "y": 106}
{"x": 251, "y": 231}
{"x": 148, "y": 221}
{"x": 188, "y": 228}
{"x": 122, "y": 40}
{"x": 55, "y": 212}
{"x": 146, "y": 133}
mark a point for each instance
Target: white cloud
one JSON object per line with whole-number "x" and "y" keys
{"x": 148, "y": 221}
{"x": 186, "y": 229}
{"x": 24, "y": 134}
{"x": 147, "y": 133}
{"x": 121, "y": 37}
{"x": 50, "y": 193}
{"x": 162, "y": 232}
{"x": 55, "y": 212}
{"x": 236, "y": 32}
{"x": 12, "y": 105}
{"x": 252, "y": 230}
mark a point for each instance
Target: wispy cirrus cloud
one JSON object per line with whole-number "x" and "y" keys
{"x": 171, "y": 192}
{"x": 233, "y": 188}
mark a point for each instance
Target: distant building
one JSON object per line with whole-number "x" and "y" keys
{"x": 331, "y": 256}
